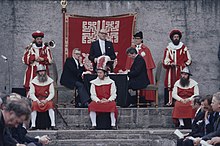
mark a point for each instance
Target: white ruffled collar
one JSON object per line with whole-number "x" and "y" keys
{"x": 99, "y": 82}
{"x": 35, "y": 47}
{"x": 36, "y": 81}
{"x": 171, "y": 46}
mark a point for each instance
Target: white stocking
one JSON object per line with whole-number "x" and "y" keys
{"x": 93, "y": 118}
{"x": 113, "y": 120}
{"x": 181, "y": 122}
{"x": 33, "y": 118}
{"x": 52, "y": 116}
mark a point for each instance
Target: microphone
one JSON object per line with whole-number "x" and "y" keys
{"x": 5, "y": 58}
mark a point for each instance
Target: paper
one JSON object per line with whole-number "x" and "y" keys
{"x": 178, "y": 133}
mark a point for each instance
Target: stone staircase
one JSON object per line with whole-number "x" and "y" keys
{"x": 137, "y": 127}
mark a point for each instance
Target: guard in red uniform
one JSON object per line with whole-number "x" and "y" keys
{"x": 176, "y": 58}
{"x": 103, "y": 94}
{"x": 144, "y": 51}
{"x": 42, "y": 93}
{"x": 36, "y": 53}
{"x": 184, "y": 90}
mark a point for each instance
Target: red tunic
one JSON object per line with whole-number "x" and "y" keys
{"x": 150, "y": 65}
{"x": 42, "y": 92}
{"x": 182, "y": 110}
{"x": 103, "y": 91}
{"x": 29, "y": 59}
{"x": 180, "y": 57}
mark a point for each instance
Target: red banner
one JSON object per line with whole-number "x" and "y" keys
{"x": 80, "y": 31}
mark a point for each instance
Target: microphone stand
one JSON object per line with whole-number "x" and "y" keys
{"x": 8, "y": 70}
{"x": 9, "y": 78}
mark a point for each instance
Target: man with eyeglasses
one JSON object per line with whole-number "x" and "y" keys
{"x": 101, "y": 47}
{"x": 72, "y": 75}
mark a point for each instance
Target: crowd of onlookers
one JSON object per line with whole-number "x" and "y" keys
{"x": 206, "y": 122}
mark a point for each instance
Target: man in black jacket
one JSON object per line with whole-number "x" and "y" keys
{"x": 101, "y": 47}
{"x": 138, "y": 78}
{"x": 14, "y": 113}
{"x": 72, "y": 75}
{"x": 203, "y": 121}
{"x": 16, "y": 136}
{"x": 197, "y": 125}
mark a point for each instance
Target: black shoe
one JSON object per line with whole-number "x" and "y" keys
{"x": 33, "y": 128}
{"x": 168, "y": 105}
{"x": 114, "y": 128}
{"x": 53, "y": 128}
{"x": 92, "y": 128}
{"x": 132, "y": 105}
{"x": 181, "y": 127}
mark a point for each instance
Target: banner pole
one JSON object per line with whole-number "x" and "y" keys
{"x": 63, "y": 3}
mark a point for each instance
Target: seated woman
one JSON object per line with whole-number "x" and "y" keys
{"x": 103, "y": 95}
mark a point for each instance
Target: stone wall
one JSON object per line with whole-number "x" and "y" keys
{"x": 199, "y": 20}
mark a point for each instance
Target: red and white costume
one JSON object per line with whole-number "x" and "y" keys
{"x": 103, "y": 89}
{"x": 181, "y": 110}
{"x": 144, "y": 51}
{"x": 42, "y": 91}
{"x": 179, "y": 55}
{"x": 29, "y": 58}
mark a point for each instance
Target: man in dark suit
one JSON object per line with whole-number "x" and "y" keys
{"x": 197, "y": 125}
{"x": 14, "y": 113}
{"x": 138, "y": 78}
{"x": 216, "y": 107}
{"x": 203, "y": 121}
{"x": 101, "y": 47}
{"x": 72, "y": 75}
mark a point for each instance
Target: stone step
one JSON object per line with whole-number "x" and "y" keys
{"x": 128, "y": 118}
{"x": 125, "y": 137}
{"x": 117, "y": 142}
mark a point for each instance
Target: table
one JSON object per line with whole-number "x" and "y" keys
{"x": 121, "y": 82}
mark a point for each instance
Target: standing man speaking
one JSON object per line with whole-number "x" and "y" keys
{"x": 101, "y": 47}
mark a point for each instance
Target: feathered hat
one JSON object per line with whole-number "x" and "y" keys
{"x": 101, "y": 63}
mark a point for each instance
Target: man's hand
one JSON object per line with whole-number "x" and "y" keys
{"x": 104, "y": 100}
{"x": 172, "y": 64}
{"x": 187, "y": 100}
{"x": 44, "y": 139}
{"x": 214, "y": 140}
{"x": 197, "y": 141}
{"x": 39, "y": 59}
{"x": 44, "y": 101}
{"x": 80, "y": 61}
{"x": 40, "y": 103}
{"x": 183, "y": 101}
